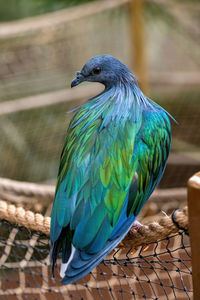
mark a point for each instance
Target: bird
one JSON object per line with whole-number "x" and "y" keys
{"x": 115, "y": 153}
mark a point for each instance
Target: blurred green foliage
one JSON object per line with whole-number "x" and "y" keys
{"x": 17, "y": 9}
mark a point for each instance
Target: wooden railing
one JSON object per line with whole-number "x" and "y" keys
{"x": 194, "y": 229}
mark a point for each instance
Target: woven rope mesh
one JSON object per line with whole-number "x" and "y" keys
{"x": 160, "y": 270}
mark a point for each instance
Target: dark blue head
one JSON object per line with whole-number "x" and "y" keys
{"x": 105, "y": 69}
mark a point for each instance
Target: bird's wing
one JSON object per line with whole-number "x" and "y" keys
{"x": 99, "y": 170}
{"x": 104, "y": 179}
{"x": 95, "y": 173}
{"x": 153, "y": 143}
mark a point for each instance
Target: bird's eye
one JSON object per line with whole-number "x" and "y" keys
{"x": 96, "y": 70}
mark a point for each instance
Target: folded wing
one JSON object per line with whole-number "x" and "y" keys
{"x": 105, "y": 177}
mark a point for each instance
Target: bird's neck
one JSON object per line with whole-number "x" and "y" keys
{"x": 117, "y": 105}
{"x": 119, "y": 102}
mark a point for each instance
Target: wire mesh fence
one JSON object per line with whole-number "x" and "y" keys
{"x": 160, "y": 270}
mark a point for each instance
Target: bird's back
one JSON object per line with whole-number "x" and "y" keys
{"x": 114, "y": 156}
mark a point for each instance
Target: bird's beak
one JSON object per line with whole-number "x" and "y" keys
{"x": 79, "y": 78}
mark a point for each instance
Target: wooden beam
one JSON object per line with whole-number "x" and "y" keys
{"x": 52, "y": 98}
{"x": 194, "y": 229}
{"x": 138, "y": 43}
{"x": 57, "y": 17}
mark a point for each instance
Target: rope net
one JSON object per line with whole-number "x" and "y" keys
{"x": 155, "y": 270}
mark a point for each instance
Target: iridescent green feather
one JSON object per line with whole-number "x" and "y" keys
{"x": 99, "y": 164}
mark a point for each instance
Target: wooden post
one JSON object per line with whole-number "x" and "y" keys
{"x": 194, "y": 229}
{"x": 139, "y": 64}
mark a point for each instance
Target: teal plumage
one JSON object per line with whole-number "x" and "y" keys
{"x": 114, "y": 155}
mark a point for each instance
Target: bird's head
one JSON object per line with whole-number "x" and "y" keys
{"x": 105, "y": 69}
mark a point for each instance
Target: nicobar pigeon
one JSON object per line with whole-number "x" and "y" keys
{"x": 114, "y": 155}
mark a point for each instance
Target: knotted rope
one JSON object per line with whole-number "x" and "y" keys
{"x": 156, "y": 230}
{"x": 136, "y": 237}
{"x": 26, "y": 218}
{"x": 26, "y": 188}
